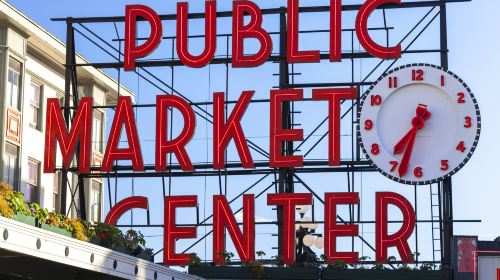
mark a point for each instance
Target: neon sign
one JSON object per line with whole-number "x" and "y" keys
{"x": 230, "y": 129}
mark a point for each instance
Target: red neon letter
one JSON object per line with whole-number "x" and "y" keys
{"x": 124, "y": 116}
{"x": 178, "y": 145}
{"x": 252, "y": 30}
{"x": 364, "y": 36}
{"x": 210, "y": 35}
{"x": 335, "y": 30}
{"x": 80, "y": 132}
{"x": 132, "y": 51}
{"x": 172, "y": 232}
{"x": 279, "y": 134}
{"x": 223, "y": 133}
{"x": 400, "y": 238}
{"x": 293, "y": 53}
{"x": 334, "y": 96}
{"x": 125, "y": 205}
{"x": 244, "y": 242}
{"x": 333, "y": 230}
{"x": 289, "y": 202}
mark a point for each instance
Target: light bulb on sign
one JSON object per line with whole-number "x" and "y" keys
{"x": 313, "y": 226}
{"x": 306, "y": 225}
{"x": 308, "y": 240}
{"x": 320, "y": 242}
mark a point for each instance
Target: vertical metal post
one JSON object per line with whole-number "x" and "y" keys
{"x": 285, "y": 178}
{"x": 447, "y": 234}
{"x": 81, "y": 184}
{"x": 67, "y": 113}
{"x": 447, "y": 223}
{"x": 71, "y": 85}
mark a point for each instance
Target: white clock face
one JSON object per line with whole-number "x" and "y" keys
{"x": 419, "y": 124}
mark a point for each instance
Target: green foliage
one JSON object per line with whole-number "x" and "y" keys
{"x": 260, "y": 254}
{"x": 360, "y": 265}
{"x": 311, "y": 257}
{"x": 78, "y": 230}
{"x": 5, "y": 210}
{"x": 38, "y": 212}
{"x": 17, "y": 204}
{"x": 110, "y": 236}
{"x": 227, "y": 256}
{"x": 378, "y": 266}
{"x": 427, "y": 267}
{"x": 257, "y": 268}
{"x": 278, "y": 260}
{"x": 338, "y": 265}
{"x": 133, "y": 239}
{"x": 404, "y": 266}
{"x": 194, "y": 260}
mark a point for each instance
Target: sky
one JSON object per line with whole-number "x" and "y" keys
{"x": 473, "y": 55}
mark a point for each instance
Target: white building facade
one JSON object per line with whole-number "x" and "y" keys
{"x": 31, "y": 70}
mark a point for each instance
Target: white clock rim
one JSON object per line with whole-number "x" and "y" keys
{"x": 441, "y": 178}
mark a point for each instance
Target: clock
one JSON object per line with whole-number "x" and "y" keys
{"x": 419, "y": 124}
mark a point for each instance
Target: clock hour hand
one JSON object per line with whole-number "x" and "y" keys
{"x": 408, "y": 141}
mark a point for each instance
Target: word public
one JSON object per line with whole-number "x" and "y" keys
{"x": 251, "y": 30}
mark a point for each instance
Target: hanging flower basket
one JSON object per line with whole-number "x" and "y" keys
{"x": 56, "y": 230}
{"x": 25, "y": 219}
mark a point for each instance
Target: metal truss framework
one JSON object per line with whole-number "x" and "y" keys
{"x": 284, "y": 179}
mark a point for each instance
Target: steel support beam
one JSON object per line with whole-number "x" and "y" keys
{"x": 67, "y": 112}
{"x": 447, "y": 184}
{"x": 285, "y": 179}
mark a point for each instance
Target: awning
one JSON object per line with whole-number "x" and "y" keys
{"x": 27, "y": 252}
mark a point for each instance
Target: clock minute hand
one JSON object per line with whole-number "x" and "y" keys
{"x": 401, "y": 145}
{"x": 405, "y": 161}
{"x": 408, "y": 141}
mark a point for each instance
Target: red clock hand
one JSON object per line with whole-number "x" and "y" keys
{"x": 408, "y": 141}
{"x": 405, "y": 161}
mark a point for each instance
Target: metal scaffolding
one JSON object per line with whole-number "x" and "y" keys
{"x": 285, "y": 179}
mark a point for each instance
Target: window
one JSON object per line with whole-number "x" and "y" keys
{"x": 95, "y": 201}
{"x": 35, "y": 97}
{"x": 11, "y": 168}
{"x": 14, "y": 83}
{"x": 56, "y": 204}
{"x": 97, "y": 131}
{"x": 32, "y": 186}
